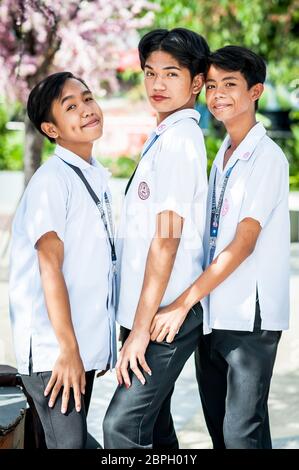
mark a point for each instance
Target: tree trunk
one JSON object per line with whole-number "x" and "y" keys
{"x": 33, "y": 150}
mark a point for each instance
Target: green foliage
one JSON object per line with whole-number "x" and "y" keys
{"x": 269, "y": 28}
{"x": 291, "y": 149}
{"x": 48, "y": 149}
{"x": 121, "y": 167}
{"x": 11, "y": 155}
{"x": 213, "y": 143}
{"x": 12, "y": 141}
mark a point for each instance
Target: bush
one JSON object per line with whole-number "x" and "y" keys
{"x": 121, "y": 167}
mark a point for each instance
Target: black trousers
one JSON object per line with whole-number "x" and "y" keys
{"x": 140, "y": 417}
{"x": 62, "y": 431}
{"x": 234, "y": 370}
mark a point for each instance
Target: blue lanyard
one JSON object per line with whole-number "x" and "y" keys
{"x": 215, "y": 213}
{"x": 142, "y": 155}
{"x": 150, "y": 144}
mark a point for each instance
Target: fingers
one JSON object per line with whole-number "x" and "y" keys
{"x": 144, "y": 365}
{"x": 65, "y": 397}
{"x": 50, "y": 384}
{"x": 153, "y": 325}
{"x": 155, "y": 332}
{"x": 170, "y": 337}
{"x": 134, "y": 367}
{"x": 163, "y": 333}
{"x": 55, "y": 391}
{"x": 124, "y": 373}
{"x": 118, "y": 371}
{"x": 55, "y": 384}
{"x": 83, "y": 384}
{"x": 77, "y": 397}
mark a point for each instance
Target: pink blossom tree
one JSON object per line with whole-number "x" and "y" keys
{"x": 39, "y": 37}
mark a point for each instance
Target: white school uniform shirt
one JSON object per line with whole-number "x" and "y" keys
{"x": 57, "y": 200}
{"x": 171, "y": 176}
{"x": 258, "y": 188}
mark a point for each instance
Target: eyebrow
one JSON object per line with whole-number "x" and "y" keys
{"x": 70, "y": 97}
{"x": 223, "y": 79}
{"x": 164, "y": 68}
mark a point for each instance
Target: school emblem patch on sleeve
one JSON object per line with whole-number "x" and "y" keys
{"x": 143, "y": 190}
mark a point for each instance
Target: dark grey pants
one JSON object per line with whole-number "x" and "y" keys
{"x": 234, "y": 370}
{"x": 139, "y": 417}
{"x": 62, "y": 431}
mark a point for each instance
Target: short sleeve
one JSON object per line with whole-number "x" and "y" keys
{"x": 46, "y": 206}
{"x": 180, "y": 169}
{"x": 267, "y": 185}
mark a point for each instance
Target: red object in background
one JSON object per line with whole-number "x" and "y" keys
{"x": 129, "y": 60}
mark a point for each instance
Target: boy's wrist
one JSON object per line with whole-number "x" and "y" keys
{"x": 69, "y": 347}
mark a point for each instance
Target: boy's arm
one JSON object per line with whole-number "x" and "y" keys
{"x": 168, "y": 320}
{"x": 68, "y": 370}
{"x": 159, "y": 264}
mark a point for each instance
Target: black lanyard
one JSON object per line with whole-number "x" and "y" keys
{"x": 99, "y": 205}
{"x": 143, "y": 153}
{"x": 215, "y": 213}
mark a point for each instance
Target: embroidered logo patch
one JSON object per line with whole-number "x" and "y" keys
{"x": 246, "y": 155}
{"x": 143, "y": 190}
{"x": 225, "y": 207}
{"x": 161, "y": 127}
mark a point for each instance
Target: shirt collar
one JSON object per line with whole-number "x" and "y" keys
{"x": 73, "y": 159}
{"x": 175, "y": 117}
{"x": 244, "y": 150}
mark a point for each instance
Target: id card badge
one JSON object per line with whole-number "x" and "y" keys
{"x": 111, "y": 313}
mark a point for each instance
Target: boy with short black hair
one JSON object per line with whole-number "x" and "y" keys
{"x": 160, "y": 242}
{"x": 247, "y": 242}
{"x": 62, "y": 260}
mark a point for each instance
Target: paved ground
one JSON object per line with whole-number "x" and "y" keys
{"x": 189, "y": 422}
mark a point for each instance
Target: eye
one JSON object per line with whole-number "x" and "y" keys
{"x": 210, "y": 87}
{"x": 89, "y": 98}
{"x": 229, "y": 84}
{"x": 72, "y": 106}
{"x": 172, "y": 74}
{"x": 149, "y": 74}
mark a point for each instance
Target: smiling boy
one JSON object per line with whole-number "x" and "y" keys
{"x": 247, "y": 242}
{"x": 61, "y": 264}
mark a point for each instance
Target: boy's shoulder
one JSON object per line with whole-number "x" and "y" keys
{"x": 271, "y": 151}
{"x": 183, "y": 131}
{"x": 51, "y": 172}
{"x": 52, "y": 167}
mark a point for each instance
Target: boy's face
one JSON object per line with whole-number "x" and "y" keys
{"x": 78, "y": 118}
{"x": 227, "y": 95}
{"x": 168, "y": 85}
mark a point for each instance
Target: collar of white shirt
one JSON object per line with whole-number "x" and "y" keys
{"x": 244, "y": 150}
{"x": 175, "y": 117}
{"x": 73, "y": 159}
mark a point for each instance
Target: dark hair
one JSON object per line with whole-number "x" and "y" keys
{"x": 243, "y": 60}
{"x": 41, "y": 97}
{"x": 187, "y": 47}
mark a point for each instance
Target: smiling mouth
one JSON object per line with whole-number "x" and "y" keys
{"x": 221, "y": 106}
{"x": 92, "y": 123}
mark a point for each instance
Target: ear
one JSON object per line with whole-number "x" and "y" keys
{"x": 49, "y": 129}
{"x": 197, "y": 84}
{"x": 256, "y": 91}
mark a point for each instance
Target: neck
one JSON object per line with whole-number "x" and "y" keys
{"x": 162, "y": 116}
{"x": 237, "y": 130}
{"x": 83, "y": 150}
